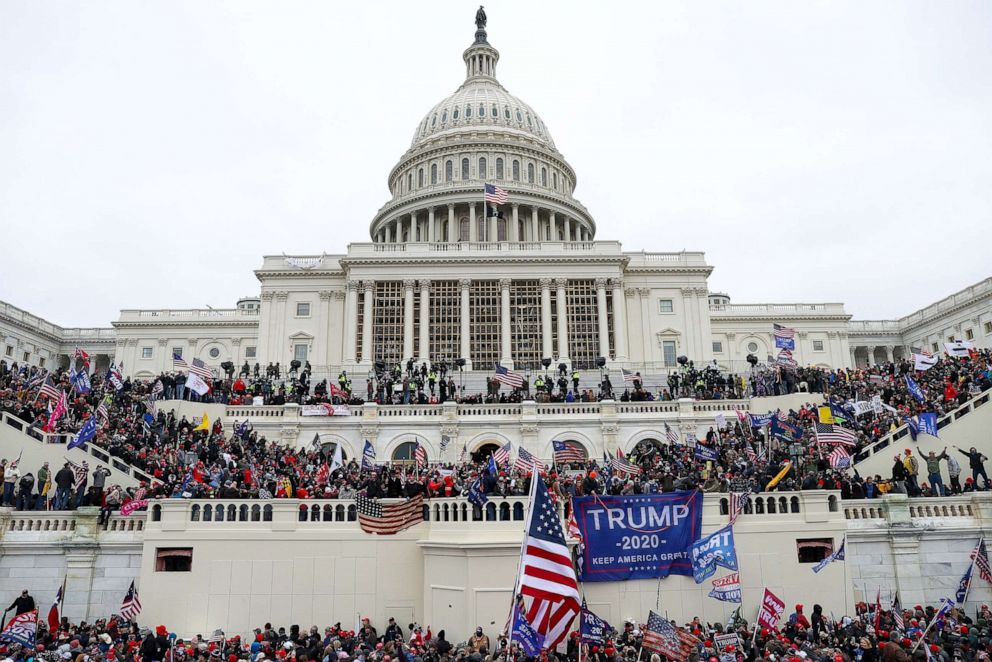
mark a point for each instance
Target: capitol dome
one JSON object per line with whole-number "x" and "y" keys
{"x": 481, "y": 134}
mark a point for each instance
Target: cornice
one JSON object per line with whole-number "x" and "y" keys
{"x": 30, "y": 329}
{"x": 778, "y": 318}
{"x": 494, "y": 259}
{"x": 199, "y": 323}
{"x": 297, "y": 274}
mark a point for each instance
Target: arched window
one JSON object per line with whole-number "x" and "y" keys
{"x": 544, "y": 176}
{"x": 495, "y": 111}
{"x": 409, "y": 182}
{"x": 465, "y": 169}
{"x": 449, "y": 169}
{"x": 454, "y": 114}
{"x": 433, "y": 173}
{"x": 506, "y": 113}
{"x": 516, "y": 170}
{"x": 482, "y": 110}
{"x": 501, "y": 229}
{"x": 520, "y": 117}
{"x": 463, "y": 229}
{"x": 554, "y": 180}
{"x": 444, "y": 117}
{"x": 468, "y": 112}
{"x": 530, "y": 173}
{"x": 420, "y": 178}
{"x": 483, "y": 170}
{"x": 404, "y": 452}
{"x": 499, "y": 168}
{"x": 528, "y": 119}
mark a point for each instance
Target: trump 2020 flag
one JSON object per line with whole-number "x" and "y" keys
{"x": 836, "y": 556}
{"x": 530, "y": 640}
{"x": 964, "y": 585}
{"x": 368, "y": 456}
{"x": 928, "y": 424}
{"x": 914, "y": 389}
{"x": 727, "y": 589}
{"x": 80, "y": 381}
{"x": 85, "y": 434}
{"x": 592, "y": 628}
{"x": 21, "y": 629}
{"x": 716, "y": 549}
{"x": 475, "y": 494}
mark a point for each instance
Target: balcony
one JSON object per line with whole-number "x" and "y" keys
{"x": 778, "y": 309}
{"x": 165, "y": 315}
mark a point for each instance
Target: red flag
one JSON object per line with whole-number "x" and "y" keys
{"x": 53, "y": 613}
{"x": 878, "y": 609}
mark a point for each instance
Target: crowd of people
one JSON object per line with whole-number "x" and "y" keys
{"x": 190, "y": 460}
{"x": 874, "y": 633}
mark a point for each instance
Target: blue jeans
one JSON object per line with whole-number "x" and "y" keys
{"x": 179, "y": 391}
{"x": 61, "y": 498}
{"x": 8, "y": 494}
{"x": 936, "y": 484}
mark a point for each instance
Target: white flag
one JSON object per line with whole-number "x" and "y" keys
{"x": 958, "y": 348}
{"x": 721, "y": 421}
{"x": 924, "y": 361}
{"x": 195, "y": 383}
{"x": 338, "y": 460}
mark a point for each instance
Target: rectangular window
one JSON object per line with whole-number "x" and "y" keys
{"x": 665, "y": 306}
{"x": 988, "y": 327}
{"x": 146, "y": 352}
{"x": 717, "y": 347}
{"x": 583, "y": 323}
{"x": 174, "y": 559}
{"x": 817, "y": 345}
{"x": 668, "y": 347}
{"x": 387, "y": 323}
{"x": 300, "y": 352}
{"x": 814, "y": 550}
{"x": 303, "y": 310}
{"x": 950, "y": 338}
{"x": 26, "y": 357}
{"x": 177, "y": 351}
{"x": 41, "y": 363}
{"x": 933, "y": 346}
{"x": 249, "y": 352}
{"x": 444, "y": 311}
{"x": 484, "y": 323}
{"x": 10, "y": 350}
{"x": 969, "y": 334}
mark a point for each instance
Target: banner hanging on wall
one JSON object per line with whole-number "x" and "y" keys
{"x": 638, "y": 536}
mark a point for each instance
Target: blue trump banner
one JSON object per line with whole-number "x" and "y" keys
{"x": 530, "y": 640}
{"x": 706, "y": 452}
{"x": 758, "y": 420}
{"x": 928, "y": 424}
{"x": 914, "y": 389}
{"x": 785, "y": 430}
{"x": 592, "y": 628}
{"x": 716, "y": 549}
{"x": 727, "y": 589}
{"x": 638, "y": 537}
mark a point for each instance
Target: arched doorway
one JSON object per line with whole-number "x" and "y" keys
{"x": 483, "y": 452}
{"x": 573, "y": 456}
{"x": 404, "y": 453}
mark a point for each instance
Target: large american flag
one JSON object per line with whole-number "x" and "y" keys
{"x": 48, "y": 389}
{"x": 737, "y": 502}
{"x": 508, "y": 377}
{"x": 502, "y": 454}
{"x": 200, "y": 369}
{"x": 660, "y": 636}
{"x": 981, "y": 558}
{"x": 827, "y": 433}
{"x": 621, "y": 464}
{"x": 896, "y": 611}
{"x": 566, "y": 451}
{"x": 178, "y": 362}
{"x": 629, "y": 375}
{"x": 526, "y": 461}
{"x": 671, "y": 434}
{"x": 839, "y": 458}
{"x": 495, "y": 195}
{"x": 420, "y": 455}
{"x": 783, "y": 332}
{"x": 547, "y": 576}
{"x": 131, "y": 606}
{"x": 389, "y": 519}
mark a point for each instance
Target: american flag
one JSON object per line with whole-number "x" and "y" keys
{"x": 508, "y": 377}
{"x": 737, "y": 502}
{"x": 389, "y": 519}
{"x": 80, "y": 471}
{"x": 981, "y": 557}
{"x": 896, "y": 611}
{"x": 566, "y": 451}
{"x": 48, "y": 389}
{"x": 660, "y": 636}
{"x": 502, "y": 454}
{"x": 547, "y": 576}
{"x": 785, "y": 358}
{"x": 621, "y": 464}
{"x": 783, "y": 332}
{"x": 178, "y": 363}
{"x": 671, "y": 434}
{"x": 839, "y": 458}
{"x": 749, "y": 452}
{"x": 526, "y": 461}
{"x": 464, "y": 453}
{"x": 827, "y": 433}
{"x": 158, "y": 388}
{"x": 495, "y": 195}
{"x": 629, "y": 376}
{"x": 420, "y": 455}
{"x": 573, "y": 526}
{"x": 102, "y": 411}
{"x": 200, "y": 369}
{"x": 131, "y": 606}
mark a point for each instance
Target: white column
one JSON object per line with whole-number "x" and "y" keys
{"x": 547, "y": 351}
{"x": 368, "y": 290}
{"x": 619, "y": 319}
{"x": 408, "y": 286}
{"x": 568, "y": 228}
{"x": 473, "y": 230}
{"x": 411, "y": 234}
{"x": 511, "y": 234}
{"x": 425, "y": 303}
{"x": 453, "y": 233}
{"x": 350, "y": 321}
{"x": 493, "y": 224}
{"x": 465, "y": 321}
{"x": 562, "y": 306}
{"x": 604, "y": 328}
{"x": 535, "y": 228}
{"x": 506, "y": 353}
{"x": 321, "y": 337}
{"x": 430, "y": 225}
{"x": 552, "y": 227}
{"x": 389, "y": 232}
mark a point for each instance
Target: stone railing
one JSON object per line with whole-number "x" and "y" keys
{"x": 67, "y": 525}
{"x": 761, "y": 309}
{"x": 92, "y": 450}
{"x": 864, "y": 327}
{"x": 529, "y": 248}
{"x": 903, "y": 430}
{"x": 966, "y": 510}
{"x": 204, "y": 314}
{"x": 27, "y": 319}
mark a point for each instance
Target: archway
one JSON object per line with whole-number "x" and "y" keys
{"x": 483, "y": 452}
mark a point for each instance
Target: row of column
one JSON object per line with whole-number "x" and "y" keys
{"x": 410, "y": 288}
{"x": 418, "y": 226}
{"x": 870, "y": 349}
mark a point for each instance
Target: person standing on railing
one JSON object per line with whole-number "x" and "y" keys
{"x": 64, "y": 481}
{"x": 977, "y": 463}
{"x": 954, "y": 471}
{"x": 44, "y": 487}
{"x": 10, "y": 477}
{"x": 933, "y": 471}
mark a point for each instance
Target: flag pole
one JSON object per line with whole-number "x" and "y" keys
{"x": 520, "y": 565}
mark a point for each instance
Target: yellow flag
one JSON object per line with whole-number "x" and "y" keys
{"x": 204, "y": 424}
{"x": 779, "y": 476}
{"x": 826, "y": 415}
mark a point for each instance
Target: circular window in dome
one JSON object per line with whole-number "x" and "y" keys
{"x": 752, "y": 347}
{"x": 214, "y": 352}
{"x": 468, "y": 111}
{"x": 444, "y": 117}
{"x": 506, "y": 112}
{"x": 454, "y": 114}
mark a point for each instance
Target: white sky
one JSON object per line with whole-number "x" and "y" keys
{"x": 151, "y": 152}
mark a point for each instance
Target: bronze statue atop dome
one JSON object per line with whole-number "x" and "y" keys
{"x": 480, "y": 18}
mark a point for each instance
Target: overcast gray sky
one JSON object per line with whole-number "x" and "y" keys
{"x": 152, "y": 152}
